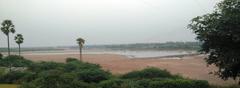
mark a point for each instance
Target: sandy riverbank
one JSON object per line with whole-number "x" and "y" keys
{"x": 193, "y": 67}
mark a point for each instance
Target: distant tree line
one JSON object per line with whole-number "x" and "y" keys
{"x": 14, "y": 49}
{"x": 150, "y": 46}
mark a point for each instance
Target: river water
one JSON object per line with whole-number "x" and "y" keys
{"x": 128, "y": 53}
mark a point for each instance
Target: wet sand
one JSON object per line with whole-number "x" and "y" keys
{"x": 193, "y": 67}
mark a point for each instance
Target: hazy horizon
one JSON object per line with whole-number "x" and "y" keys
{"x": 61, "y": 22}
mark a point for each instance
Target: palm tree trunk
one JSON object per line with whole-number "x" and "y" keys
{"x": 19, "y": 49}
{"x": 8, "y": 45}
{"x": 80, "y": 53}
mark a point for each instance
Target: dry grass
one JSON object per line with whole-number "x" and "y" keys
{"x": 8, "y": 86}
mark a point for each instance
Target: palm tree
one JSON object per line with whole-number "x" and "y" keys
{"x": 7, "y": 27}
{"x": 19, "y": 40}
{"x": 80, "y": 42}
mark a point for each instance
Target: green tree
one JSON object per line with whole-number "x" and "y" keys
{"x": 19, "y": 40}
{"x": 80, "y": 42}
{"x": 220, "y": 34}
{"x": 7, "y": 27}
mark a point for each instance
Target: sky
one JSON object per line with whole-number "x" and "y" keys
{"x": 61, "y": 22}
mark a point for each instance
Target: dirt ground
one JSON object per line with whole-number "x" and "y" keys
{"x": 193, "y": 67}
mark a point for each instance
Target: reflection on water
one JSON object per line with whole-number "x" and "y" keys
{"x": 130, "y": 54}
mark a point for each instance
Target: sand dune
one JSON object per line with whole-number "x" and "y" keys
{"x": 193, "y": 67}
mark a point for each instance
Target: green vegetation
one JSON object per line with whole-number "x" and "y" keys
{"x": 14, "y": 61}
{"x": 148, "y": 73}
{"x": 78, "y": 74}
{"x": 219, "y": 33}
{"x": 2, "y": 71}
{"x": 232, "y": 86}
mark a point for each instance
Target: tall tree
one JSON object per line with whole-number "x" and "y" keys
{"x": 7, "y": 28}
{"x": 19, "y": 40}
{"x": 220, "y": 34}
{"x": 80, "y": 42}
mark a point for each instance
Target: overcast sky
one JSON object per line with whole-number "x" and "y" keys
{"x": 60, "y": 22}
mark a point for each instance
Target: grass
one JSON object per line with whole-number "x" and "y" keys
{"x": 8, "y": 86}
{"x": 2, "y": 70}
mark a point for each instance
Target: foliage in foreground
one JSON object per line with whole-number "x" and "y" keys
{"x": 231, "y": 86}
{"x": 78, "y": 74}
{"x": 149, "y": 73}
{"x": 15, "y": 61}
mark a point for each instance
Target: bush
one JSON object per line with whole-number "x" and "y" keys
{"x": 93, "y": 75}
{"x": 148, "y": 73}
{"x": 71, "y": 59}
{"x": 56, "y": 79}
{"x": 28, "y": 85}
{"x": 15, "y": 61}
{"x": 144, "y": 83}
{"x": 119, "y": 83}
{"x": 44, "y": 66}
{"x": 73, "y": 74}
{"x": 29, "y": 76}
{"x": 130, "y": 84}
{"x": 180, "y": 83}
{"x": 78, "y": 65}
{"x": 13, "y": 77}
{"x": 231, "y": 86}
{"x": 1, "y": 56}
{"x": 2, "y": 71}
{"x": 113, "y": 83}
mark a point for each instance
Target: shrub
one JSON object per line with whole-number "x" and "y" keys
{"x": 56, "y": 79}
{"x": 71, "y": 59}
{"x": 112, "y": 83}
{"x": 74, "y": 74}
{"x": 78, "y": 65}
{"x": 144, "y": 83}
{"x": 28, "y": 85}
{"x": 2, "y": 71}
{"x": 130, "y": 84}
{"x": 119, "y": 83}
{"x": 1, "y": 56}
{"x": 44, "y": 66}
{"x": 29, "y": 76}
{"x": 93, "y": 75}
{"x": 231, "y": 86}
{"x": 201, "y": 84}
{"x": 148, "y": 73}
{"x": 179, "y": 83}
{"x": 13, "y": 77}
{"x": 15, "y": 61}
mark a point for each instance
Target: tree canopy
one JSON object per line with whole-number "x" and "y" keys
{"x": 19, "y": 38}
{"x": 7, "y": 27}
{"x": 219, "y": 33}
{"x": 80, "y": 41}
